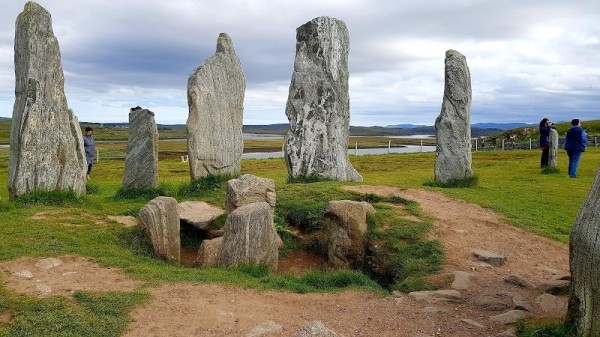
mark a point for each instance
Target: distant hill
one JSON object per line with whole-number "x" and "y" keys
{"x": 405, "y": 126}
{"x": 501, "y": 126}
{"x": 532, "y": 131}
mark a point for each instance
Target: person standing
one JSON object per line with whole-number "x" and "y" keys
{"x": 545, "y": 126}
{"x": 575, "y": 143}
{"x": 90, "y": 149}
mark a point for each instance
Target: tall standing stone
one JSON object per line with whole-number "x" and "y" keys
{"x": 46, "y": 146}
{"x": 318, "y": 106}
{"x": 216, "y": 102}
{"x": 453, "y": 125}
{"x": 141, "y": 162}
{"x": 553, "y": 148}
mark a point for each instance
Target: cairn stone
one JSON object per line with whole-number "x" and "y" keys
{"x": 452, "y": 127}
{"x": 160, "y": 221}
{"x": 345, "y": 224}
{"x": 318, "y": 106}
{"x": 248, "y": 189}
{"x": 216, "y": 106}
{"x": 250, "y": 237}
{"x": 553, "y": 148}
{"x": 141, "y": 162}
{"x": 46, "y": 145}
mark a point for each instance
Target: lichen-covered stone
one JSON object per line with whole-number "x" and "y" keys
{"x": 160, "y": 221}
{"x": 216, "y": 106}
{"x": 46, "y": 145}
{"x": 453, "y": 125}
{"x": 248, "y": 189}
{"x": 141, "y": 162}
{"x": 318, "y": 106}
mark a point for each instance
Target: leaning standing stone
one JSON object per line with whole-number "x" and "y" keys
{"x": 46, "y": 146}
{"x": 141, "y": 162}
{"x": 318, "y": 106}
{"x": 160, "y": 221}
{"x": 216, "y": 102}
{"x": 553, "y": 148}
{"x": 453, "y": 125}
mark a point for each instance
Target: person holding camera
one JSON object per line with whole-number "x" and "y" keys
{"x": 545, "y": 126}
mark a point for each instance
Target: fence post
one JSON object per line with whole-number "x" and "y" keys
{"x": 502, "y": 144}
{"x": 356, "y": 149}
{"x": 421, "y": 145}
{"x": 529, "y": 143}
{"x": 595, "y": 143}
{"x": 97, "y": 156}
{"x": 389, "y": 145}
{"x": 475, "y": 144}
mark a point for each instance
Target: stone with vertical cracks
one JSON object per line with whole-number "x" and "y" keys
{"x": 216, "y": 106}
{"x": 248, "y": 189}
{"x": 46, "y": 145}
{"x": 453, "y": 130}
{"x": 208, "y": 253}
{"x": 250, "y": 237}
{"x": 553, "y": 148}
{"x": 318, "y": 106}
{"x": 141, "y": 162}
{"x": 160, "y": 221}
{"x": 345, "y": 224}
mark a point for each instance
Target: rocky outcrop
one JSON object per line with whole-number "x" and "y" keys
{"x": 250, "y": 237}
{"x": 453, "y": 125}
{"x": 46, "y": 146}
{"x": 318, "y": 106}
{"x": 216, "y": 102}
{"x": 248, "y": 189}
{"x": 160, "y": 221}
{"x": 345, "y": 224}
{"x": 198, "y": 213}
{"x": 141, "y": 162}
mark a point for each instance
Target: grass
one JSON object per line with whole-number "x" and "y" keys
{"x": 467, "y": 182}
{"x": 554, "y": 329}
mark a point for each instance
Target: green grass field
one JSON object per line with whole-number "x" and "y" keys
{"x": 510, "y": 182}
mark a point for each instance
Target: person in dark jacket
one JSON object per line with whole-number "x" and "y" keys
{"x": 90, "y": 149}
{"x": 545, "y": 126}
{"x": 575, "y": 143}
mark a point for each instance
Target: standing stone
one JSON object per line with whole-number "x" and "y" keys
{"x": 160, "y": 221}
{"x": 46, "y": 146}
{"x": 248, "y": 189}
{"x": 453, "y": 125}
{"x": 216, "y": 102}
{"x": 250, "y": 237}
{"x": 553, "y": 148}
{"x": 318, "y": 106}
{"x": 141, "y": 162}
{"x": 584, "y": 304}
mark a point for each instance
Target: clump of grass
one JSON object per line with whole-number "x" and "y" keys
{"x": 472, "y": 181}
{"x": 556, "y": 329}
{"x": 92, "y": 188}
{"x": 550, "y": 170}
{"x": 50, "y": 198}
{"x": 204, "y": 185}
{"x": 321, "y": 281}
{"x": 145, "y": 193}
{"x": 306, "y": 179}
{"x": 260, "y": 270}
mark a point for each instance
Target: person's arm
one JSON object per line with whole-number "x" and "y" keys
{"x": 565, "y": 144}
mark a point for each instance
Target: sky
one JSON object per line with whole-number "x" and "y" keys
{"x": 528, "y": 59}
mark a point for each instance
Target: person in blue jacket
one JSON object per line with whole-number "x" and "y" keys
{"x": 575, "y": 143}
{"x": 90, "y": 149}
{"x": 545, "y": 126}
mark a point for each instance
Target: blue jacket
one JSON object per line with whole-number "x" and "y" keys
{"x": 90, "y": 149}
{"x": 576, "y": 139}
{"x": 544, "y": 134}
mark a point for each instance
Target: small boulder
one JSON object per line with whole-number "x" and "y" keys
{"x": 267, "y": 328}
{"x": 436, "y": 296}
{"x": 555, "y": 287}
{"x": 520, "y": 303}
{"x": 471, "y": 323}
{"x": 198, "y": 213}
{"x": 160, "y": 221}
{"x": 316, "y": 329}
{"x": 26, "y": 274}
{"x": 490, "y": 257}
{"x": 48, "y": 263}
{"x": 208, "y": 253}
{"x": 493, "y": 302}
{"x": 248, "y": 189}
{"x": 550, "y": 303}
{"x": 433, "y": 310}
{"x": 518, "y": 281}
{"x": 507, "y": 333}
{"x": 509, "y": 317}
{"x": 461, "y": 280}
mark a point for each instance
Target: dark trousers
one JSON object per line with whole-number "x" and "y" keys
{"x": 545, "y": 154}
{"x": 89, "y": 168}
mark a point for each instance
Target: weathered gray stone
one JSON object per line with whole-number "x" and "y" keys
{"x": 461, "y": 281}
{"x": 318, "y": 106}
{"x": 507, "y": 333}
{"x": 43, "y": 288}
{"x": 267, "y": 328}
{"x": 433, "y": 310}
{"x": 431, "y": 296}
{"x": 471, "y": 323}
{"x": 46, "y": 146}
{"x": 518, "y": 280}
{"x": 141, "y": 161}
{"x": 345, "y": 225}
{"x": 208, "y": 253}
{"x": 555, "y": 287}
{"x": 520, "y": 303}
{"x": 453, "y": 126}
{"x": 250, "y": 237}
{"x": 160, "y": 221}
{"x": 26, "y": 274}
{"x": 553, "y": 148}
{"x": 316, "y": 329}
{"x": 216, "y": 103}
{"x": 248, "y": 189}
{"x": 490, "y": 257}
{"x": 48, "y": 263}
{"x": 509, "y": 317}
{"x": 493, "y": 301}
{"x": 547, "y": 302}
{"x": 198, "y": 213}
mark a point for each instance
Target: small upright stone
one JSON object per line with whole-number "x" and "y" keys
{"x": 216, "y": 102}
{"x": 453, "y": 126}
{"x": 46, "y": 146}
{"x": 248, "y": 189}
{"x": 141, "y": 162}
{"x": 160, "y": 221}
{"x": 318, "y": 106}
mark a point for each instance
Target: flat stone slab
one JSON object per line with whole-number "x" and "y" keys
{"x": 429, "y": 296}
{"x": 433, "y": 310}
{"x": 461, "y": 281}
{"x": 490, "y": 257}
{"x": 48, "y": 263}
{"x": 547, "y": 302}
{"x": 198, "y": 213}
{"x": 471, "y": 323}
{"x": 518, "y": 280}
{"x": 266, "y": 328}
{"x": 494, "y": 301}
{"x": 509, "y": 317}
{"x": 555, "y": 287}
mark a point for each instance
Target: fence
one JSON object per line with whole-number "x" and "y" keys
{"x": 503, "y": 144}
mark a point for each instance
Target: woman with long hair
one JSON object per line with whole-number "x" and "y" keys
{"x": 545, "y": 125}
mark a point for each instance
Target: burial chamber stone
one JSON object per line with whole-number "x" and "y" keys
{"x": 46, "y": 145}
{"x": 453, "y": 125}
{"x": 160, "y": 221}
{"x": 248, "y": 189}
{"x": 141, "y": 162}
{"x": 216, "y": 107}
{"x": 318, "y": 105}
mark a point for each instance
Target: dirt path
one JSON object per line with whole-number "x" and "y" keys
{"x": 217, "y": 310}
